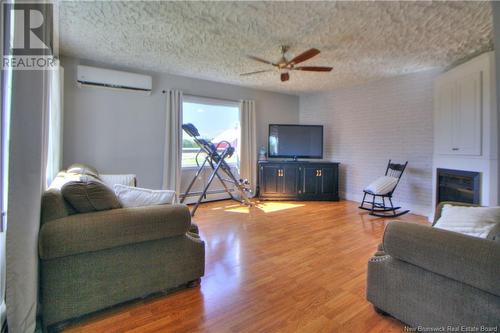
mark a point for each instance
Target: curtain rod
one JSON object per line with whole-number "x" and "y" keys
{"x": 209, "y": 97}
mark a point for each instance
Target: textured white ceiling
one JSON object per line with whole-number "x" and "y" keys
{"x": 362, "y": 40}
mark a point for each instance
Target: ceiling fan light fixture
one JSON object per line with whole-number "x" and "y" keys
{"x": 284, "y": 66}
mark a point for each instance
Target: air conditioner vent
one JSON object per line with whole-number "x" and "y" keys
{"x": 108, "y": 78}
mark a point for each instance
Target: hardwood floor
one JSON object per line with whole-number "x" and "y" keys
{"x": 277, "y": 267}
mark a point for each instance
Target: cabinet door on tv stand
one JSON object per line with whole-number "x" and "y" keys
{"x": 290, "y": 179}
{"x": 328, "y": 182}
{"x": 309, "y": 182}
{"x": 270, "y": 182}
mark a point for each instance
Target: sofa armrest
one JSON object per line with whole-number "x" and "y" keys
{"x": 125, "y": 179}
{"x": 96, "y": 231}
{"x": 471, "y": 260}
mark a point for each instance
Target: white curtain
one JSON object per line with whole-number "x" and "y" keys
{"x": 173, "y": 142}
{"x": 54, "y": 125}
{"x": 248, "y": 146}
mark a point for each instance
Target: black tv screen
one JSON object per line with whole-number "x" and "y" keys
{"x": 295, "y": 141}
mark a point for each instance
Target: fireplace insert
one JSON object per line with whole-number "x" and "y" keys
{"x": 458, "y": 185}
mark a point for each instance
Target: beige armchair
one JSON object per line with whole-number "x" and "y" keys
{"x": 95, "y": 260}
{"x": 430, "y": 277}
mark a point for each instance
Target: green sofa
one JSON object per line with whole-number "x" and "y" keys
{"x": 435, "y": 278}
{"x": 92, "y": 261}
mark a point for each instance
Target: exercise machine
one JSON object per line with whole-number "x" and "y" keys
{"x": 215, "y": 157}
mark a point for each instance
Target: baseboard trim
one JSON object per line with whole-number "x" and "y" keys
{"x": 414, "y": 209}
{"x": 210, "y": 197}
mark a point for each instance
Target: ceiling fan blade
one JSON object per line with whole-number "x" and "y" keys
{"x": 260, "y": 60}
{"x": 256, "y": 72}
{"x": 304, "y": 56}
{"x": 313, "y": 68}
{"x": 285, "y": 77}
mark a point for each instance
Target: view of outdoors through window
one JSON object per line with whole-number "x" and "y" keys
{"x": 216, "y": 123}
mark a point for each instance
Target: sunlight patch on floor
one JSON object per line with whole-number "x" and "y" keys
{"x": 266, "y": 207}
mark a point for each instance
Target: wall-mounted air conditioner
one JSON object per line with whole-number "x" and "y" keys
{"x": 100, "y": 77}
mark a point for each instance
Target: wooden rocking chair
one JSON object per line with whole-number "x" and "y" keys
{"x": 380, "y": 209}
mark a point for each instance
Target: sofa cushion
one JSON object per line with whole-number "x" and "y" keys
{"x": 83, "y": 169}
{"x": 472, "y": 221}
{"x": 89, "y": 194}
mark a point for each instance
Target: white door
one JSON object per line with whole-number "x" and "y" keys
{"x": 445, "y": 92}
{"x": 458, "y": 115}
{"x": 467, "y": 131}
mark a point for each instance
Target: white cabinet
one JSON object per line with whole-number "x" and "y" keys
{"x": 444, "y": 99}
{"x": 466, "y": 123}
{"x": 458, "y": 114}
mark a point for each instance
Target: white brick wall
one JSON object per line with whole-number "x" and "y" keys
{"x": 367, "y": 125}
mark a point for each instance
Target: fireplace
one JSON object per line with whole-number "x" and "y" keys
{"x": 457, "y": 185}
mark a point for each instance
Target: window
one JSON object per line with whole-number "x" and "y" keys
{"x": 216, "y": 120}
{"x": 55, "y": 123}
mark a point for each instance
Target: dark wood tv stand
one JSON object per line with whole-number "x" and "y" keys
{"x": 298, "y": 180}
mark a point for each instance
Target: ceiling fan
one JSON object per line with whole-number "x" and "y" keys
{"x": 284, "y": 66}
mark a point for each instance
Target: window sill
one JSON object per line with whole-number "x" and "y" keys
{"x": 194, "y": 167}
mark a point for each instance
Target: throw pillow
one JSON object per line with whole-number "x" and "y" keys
{"x": 382, "y": 185}
{"x": 473, "y": 221}
{"x": 89, "y": 194}
{"x": 131, "y": 196}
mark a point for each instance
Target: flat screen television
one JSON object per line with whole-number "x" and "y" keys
{"x": 295, "y": 141}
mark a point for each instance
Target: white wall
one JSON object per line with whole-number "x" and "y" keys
{"x": 367, "y": 125}
{"x": 123, "y": 132}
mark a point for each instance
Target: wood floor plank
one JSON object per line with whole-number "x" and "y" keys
{"x": 276, "y": 267}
